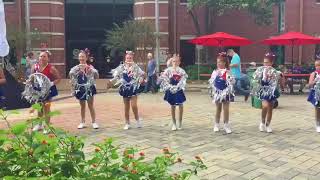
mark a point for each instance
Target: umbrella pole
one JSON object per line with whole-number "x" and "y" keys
{"x": 292, "y": 59}
{"x": 198, "y": 54}
{"x": 292, "y": 67}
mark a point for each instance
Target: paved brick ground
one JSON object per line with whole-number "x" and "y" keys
{"x": 291, "y": 152}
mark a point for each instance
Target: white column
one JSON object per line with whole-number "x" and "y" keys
{"x": 157, "y": 55}
{"x": 4, "y": 47}
{"x": 27, "y": 20}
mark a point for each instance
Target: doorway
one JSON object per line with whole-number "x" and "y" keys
{"x": 86, "y": 24}
{"x": 187, "y": 53}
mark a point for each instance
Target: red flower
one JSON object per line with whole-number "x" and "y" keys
{"x": 133, "y": 171}
{"x": 51, "y": 135}
{"x": 95, "y": 165}
{"x": 130, "y": 156}
{"x": 142, "y": 154}
{"x": 44, "y": 142}
{"x": 165, "y": 150}
{"x": 125, "y": 168}
{"x": 97, "y": 149}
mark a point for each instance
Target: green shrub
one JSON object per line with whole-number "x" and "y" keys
{"x": 192, "y": 71}
{"x": 25, "y": 154}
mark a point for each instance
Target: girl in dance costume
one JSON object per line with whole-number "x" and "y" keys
{"x": 222, "y": 82}
{"x": 44, "y": 67}
{"x": 130, "y": 78}
{"x": 173, "y": 82}
{"x": 314, "y": 95}
{"x": 83, "y": 78}
{"x": 265, "y": 86}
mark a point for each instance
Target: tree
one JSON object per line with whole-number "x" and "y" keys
{"x": 261, "y": 10}
{"x": 134, "y": 35}
{"x": 17, "y": 39}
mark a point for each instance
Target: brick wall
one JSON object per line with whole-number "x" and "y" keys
{"x": 242, "y": 24}
{"x": 48, "y": 18}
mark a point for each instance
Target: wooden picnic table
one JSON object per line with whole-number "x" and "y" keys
{"x": 205, "y": 75}
{"x": 295, "y": 75}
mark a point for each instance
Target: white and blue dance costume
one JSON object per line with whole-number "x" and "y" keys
{"x": 47, "y": 72}
{"x": 83, "y": 81}
{"x": 314, "y": 94}
{"x": 221, "y": 83}
{"x": 129, "y": 79}
{"x": 265, "y": 83}
{"x": 173, "y": 83}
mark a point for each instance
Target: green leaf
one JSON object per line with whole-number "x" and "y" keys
{"x": 114, "y": 156}
{"x": 78, "y": 154}
{"x": 37, "y": 106}
{"x": 67, "y": 169}
{"x": 2, "y": 140}
{"x": 54, "y": 113}
{"x": 3, "y": 131}
{"x": 1, "y": 111}
{"x": 19, "y": 128}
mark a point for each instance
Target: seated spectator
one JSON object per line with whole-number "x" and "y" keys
{"x": 297, "y": 69}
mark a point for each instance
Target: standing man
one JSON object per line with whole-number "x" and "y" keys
{"x": 235, "y": 67}
{"x": 152, "y": 76}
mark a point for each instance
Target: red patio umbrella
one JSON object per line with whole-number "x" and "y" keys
{"x": 292, "y": 38}
{"x": 220, "y": 39}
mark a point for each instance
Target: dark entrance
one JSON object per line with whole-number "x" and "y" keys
{"x": 187, "y": 53}
{"x": 86, "y": 25}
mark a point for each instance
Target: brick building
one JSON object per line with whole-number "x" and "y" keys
{"x": 76, "y": 24}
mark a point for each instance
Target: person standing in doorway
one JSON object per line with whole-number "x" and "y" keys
{"x": 152, "y": 76}
{"x": 235, "y": 67}
{"x": 30, "y": 62}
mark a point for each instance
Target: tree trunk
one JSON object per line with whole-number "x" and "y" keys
{"x": 195, "y": 21}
